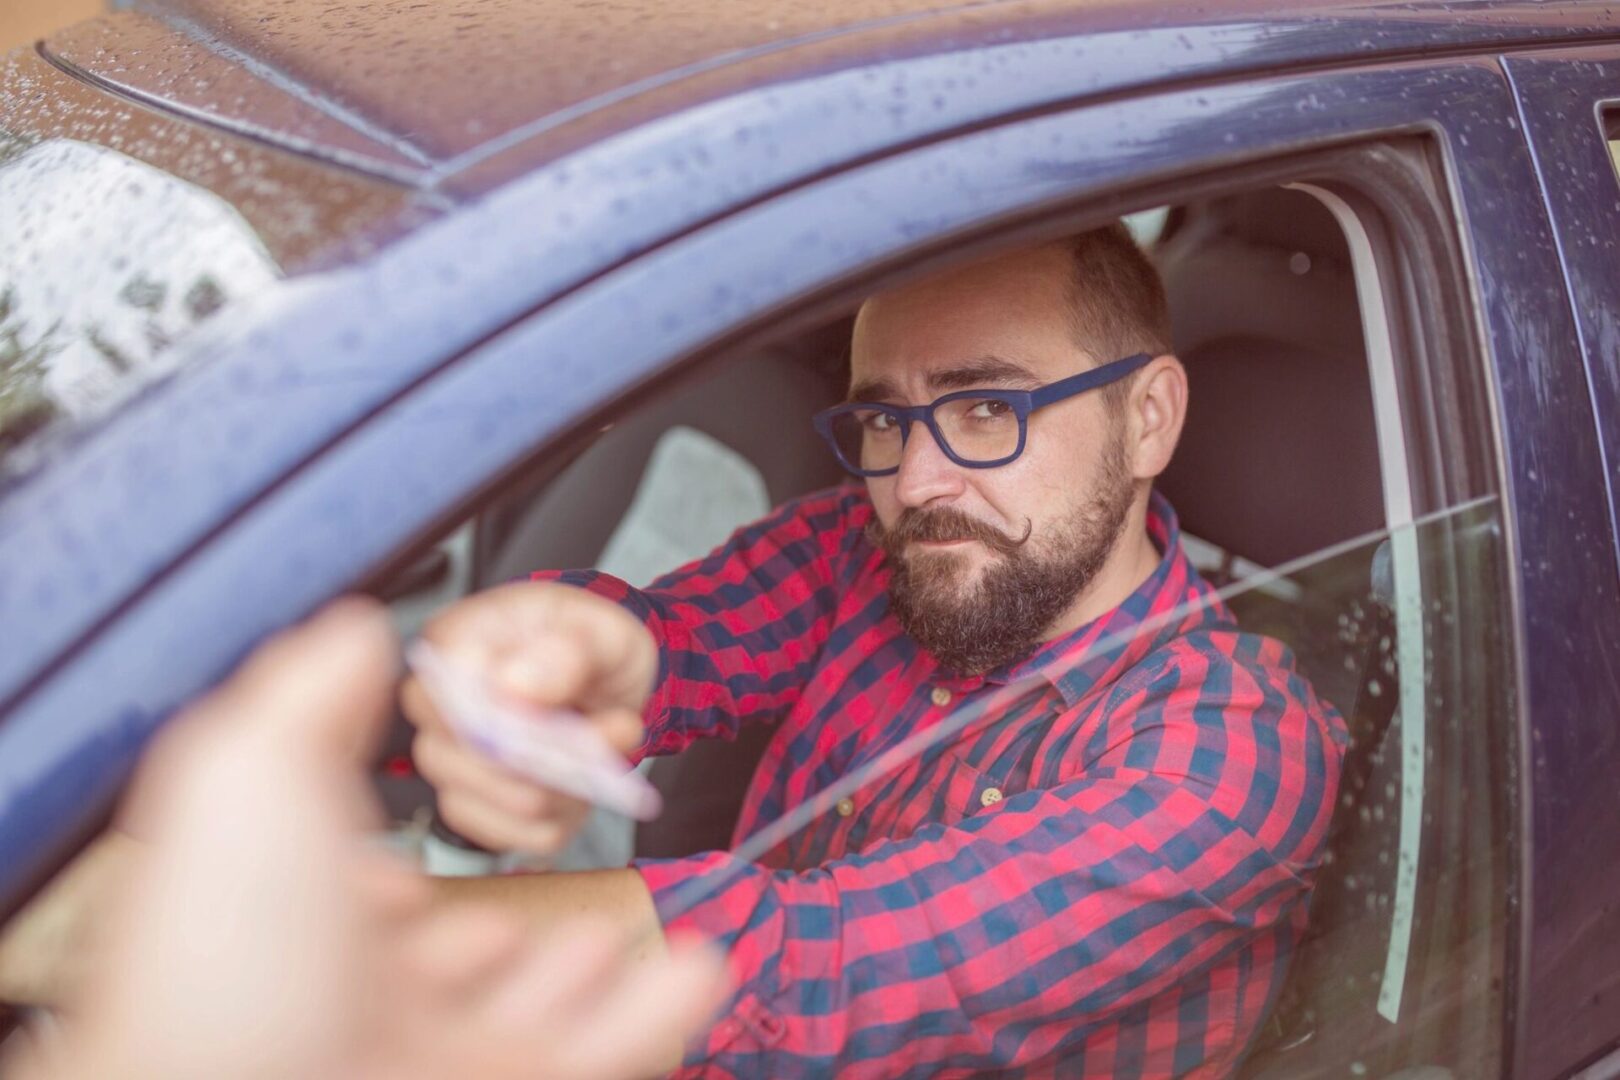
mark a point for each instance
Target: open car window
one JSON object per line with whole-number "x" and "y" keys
{"x": 1294, "y": 487}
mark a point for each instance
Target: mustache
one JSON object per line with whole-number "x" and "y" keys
{"x": 943, "y": 525}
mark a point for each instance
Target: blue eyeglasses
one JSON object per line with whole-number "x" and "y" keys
{"x": 978, "y": 429}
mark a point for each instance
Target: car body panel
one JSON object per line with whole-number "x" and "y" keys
{"x": 556, "y": 76}
{"x": 416, "y": 303}
{"x": 139, "y": 55}
{"x": 1577, "y": 753}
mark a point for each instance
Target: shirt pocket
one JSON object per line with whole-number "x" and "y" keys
{"x": 944, "y": 790}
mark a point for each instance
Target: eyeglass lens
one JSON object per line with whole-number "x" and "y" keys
{"x": 975, "y": 429}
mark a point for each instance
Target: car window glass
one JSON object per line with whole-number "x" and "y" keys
{"x": 128, "y": 228}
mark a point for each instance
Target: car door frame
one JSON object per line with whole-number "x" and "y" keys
{"x": 425, "y": 456}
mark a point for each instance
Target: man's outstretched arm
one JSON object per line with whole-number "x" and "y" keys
{"x": 616, "y": 898}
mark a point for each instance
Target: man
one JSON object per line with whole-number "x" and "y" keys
{"x": 1103, "y": 878}
{"x": 272, "y": 943}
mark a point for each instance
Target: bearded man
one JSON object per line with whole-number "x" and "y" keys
{"x": 1103, "y": 875}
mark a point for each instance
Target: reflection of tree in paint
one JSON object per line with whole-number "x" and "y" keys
{"x": 25, "y": 407}
{"x": 26, "y": 404}
{"x": 11, "y": 145}
{"x": 202, "y": 299}
{"x": 113, "y": 263}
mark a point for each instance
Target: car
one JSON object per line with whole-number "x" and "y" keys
{"x": 411, "y": 299}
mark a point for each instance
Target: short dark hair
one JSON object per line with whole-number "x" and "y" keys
{"x": 1117, "y": 302}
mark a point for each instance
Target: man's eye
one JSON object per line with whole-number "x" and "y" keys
{"x": 879, "y": 422}
{"x": 989, "y": 409}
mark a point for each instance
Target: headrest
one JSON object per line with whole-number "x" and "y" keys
{"x": 1278, "y": 457}
{"x": 1279, "y": 454}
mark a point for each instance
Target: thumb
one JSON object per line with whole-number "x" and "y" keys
{"x": 321, "y": 688}
{"x": 312, "y": 699}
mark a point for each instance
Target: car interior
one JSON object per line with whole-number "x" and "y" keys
{"x": 1279, "y": 460}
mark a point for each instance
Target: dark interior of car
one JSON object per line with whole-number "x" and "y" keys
{"x": 1267, "y": 323}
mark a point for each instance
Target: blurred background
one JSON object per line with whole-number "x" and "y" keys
{"x": 23, "y": 21}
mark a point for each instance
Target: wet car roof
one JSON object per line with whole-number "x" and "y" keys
{"x": 424, "y": 89}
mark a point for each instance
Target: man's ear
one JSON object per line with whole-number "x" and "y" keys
{"x": 1158, "y": 409}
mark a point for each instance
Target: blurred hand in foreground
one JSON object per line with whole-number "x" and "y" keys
{"x": 259, "y": 935}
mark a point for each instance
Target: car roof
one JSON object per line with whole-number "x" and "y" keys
{"x": 424, "y": 89}
{"x": 596, "y": 181}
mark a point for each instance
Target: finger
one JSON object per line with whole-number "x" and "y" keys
{"x": 476, "y": 629}
{"x": 23, "y": 1056}
{"x": 623, "y": 729}
{"x": 324, "y": 684}
{"x": 419, "y": 707}
{"x": 572, "y": 647}
{"x": 387, "y": 885}
{"x": 451, "y": 766}
{"x": 549, "y": 668}
{"x": 498, "y": 831}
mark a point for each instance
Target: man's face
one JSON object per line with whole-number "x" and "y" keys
{"x": 962, "y": 582}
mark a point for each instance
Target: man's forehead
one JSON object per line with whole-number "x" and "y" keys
{"x": 1049, "y": 264}
{"x": 982, "y": 328}
{"x": 1020, "y": 292}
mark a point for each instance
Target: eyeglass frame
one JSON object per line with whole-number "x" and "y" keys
{"x": 1022, "y": 403}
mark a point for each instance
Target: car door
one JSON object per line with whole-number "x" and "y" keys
{"x": 1425, "y": 168}
{"x": 1567, "y": 100}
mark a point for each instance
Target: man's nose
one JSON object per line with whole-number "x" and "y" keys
{"x": 925, "y": 472}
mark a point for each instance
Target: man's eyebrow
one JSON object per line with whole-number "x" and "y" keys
{"x": 873, "y": 390}
{"x": 986, "y": 371}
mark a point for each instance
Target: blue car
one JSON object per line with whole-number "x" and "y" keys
{"x": 311, "y": 298}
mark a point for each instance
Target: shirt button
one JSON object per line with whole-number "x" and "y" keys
{"x": 846, "y": 806}
{"x": 941, "y": 696}
{"x": 989, "y": 796}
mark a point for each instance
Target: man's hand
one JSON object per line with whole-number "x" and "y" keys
{"x": 549, "y": 645}
{"x": 255, "y": 933}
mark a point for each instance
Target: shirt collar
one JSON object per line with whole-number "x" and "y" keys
{"x": 1172, "y": 601}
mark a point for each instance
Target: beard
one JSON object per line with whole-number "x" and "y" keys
{"x": 972, "y": 628}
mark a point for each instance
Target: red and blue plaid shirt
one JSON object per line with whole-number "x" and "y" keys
{"x": 1105, "y": 878}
